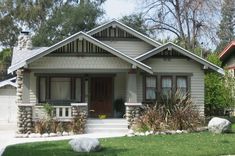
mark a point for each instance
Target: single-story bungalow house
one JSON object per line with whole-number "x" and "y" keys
{"x": 92, "y": 70}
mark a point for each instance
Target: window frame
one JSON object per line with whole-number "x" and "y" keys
{"x": 172, "y": 83}
{"x": 145, "y": 88}
{"x": 187, "y": 83}
{"x": 159, "y": 77}
{"x": 48, "y": 89}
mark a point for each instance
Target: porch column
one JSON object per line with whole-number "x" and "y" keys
{"x": 131, "y": 87}
{"x": 24, "y": 120}
{"x": 132, "y": 106}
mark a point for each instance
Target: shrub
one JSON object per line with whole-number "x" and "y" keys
{"x": 47, "y": 124}
{"x": 176, "y": 112}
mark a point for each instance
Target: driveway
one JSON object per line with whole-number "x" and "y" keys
{"x": 7, "y": 133}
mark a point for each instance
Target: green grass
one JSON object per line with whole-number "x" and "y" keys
{"x": 192, "y": 144}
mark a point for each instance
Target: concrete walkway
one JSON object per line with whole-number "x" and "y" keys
{"x": 7, "y": 137}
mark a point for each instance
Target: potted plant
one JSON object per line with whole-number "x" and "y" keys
{"x": 119, "y": 108}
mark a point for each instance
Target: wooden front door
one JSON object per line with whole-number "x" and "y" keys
{"x": 101, "y": 96}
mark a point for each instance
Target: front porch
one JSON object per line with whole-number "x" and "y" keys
{"x": 110, "y": 95}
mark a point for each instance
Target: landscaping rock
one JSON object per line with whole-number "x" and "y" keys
{"x": 85, "y": 144}
{"x": 45, "y": 135}
{"x": 179, "y": 131}
{"x": 219, "y": 125}
{"x": 35, "y": 135}
{"x": 52, "y": 134}
{"x": 65, "y": 133}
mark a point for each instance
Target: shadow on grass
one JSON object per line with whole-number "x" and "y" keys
{"x": 55, "y": 149}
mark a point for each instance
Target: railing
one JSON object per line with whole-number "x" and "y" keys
{"x": 61, "y": 113}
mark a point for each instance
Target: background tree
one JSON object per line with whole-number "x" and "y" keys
{"x": 218, "y": 90}
{"x": 187, "y": 20}
{"x": 137, "y": 22}
{"x": 226, "y": 26}
{"x": 67, "y": 20}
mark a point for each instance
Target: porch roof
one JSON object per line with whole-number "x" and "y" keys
{"x": 23, "y": 58}
{"x": 183, "y": 51}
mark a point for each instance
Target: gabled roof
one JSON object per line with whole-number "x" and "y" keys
{"x": 227, "y": 50}
{"x": 127, "y": 29}
{"x": 80, "y": 35}
{"x": 183, "y": 51}
{"x": 11, "y": 81}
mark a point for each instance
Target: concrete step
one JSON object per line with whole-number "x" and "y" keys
{"x": 106, "y": 126}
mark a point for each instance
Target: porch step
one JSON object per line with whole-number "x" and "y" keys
{"x": 106, "y": 126}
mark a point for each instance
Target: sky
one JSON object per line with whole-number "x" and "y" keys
{"x": 118, "y": 8}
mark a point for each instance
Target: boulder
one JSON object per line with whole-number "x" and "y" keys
{"x": 219, "y": 125}
{"x": 85, "y": 144}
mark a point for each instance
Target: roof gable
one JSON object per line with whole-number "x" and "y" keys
{"x": 80, "y": 36}
{"x": 227, "y": 51}
{"x": 182, "y": 51}
{"x": 129, "y": 30}
{"x": 11, "y": 82}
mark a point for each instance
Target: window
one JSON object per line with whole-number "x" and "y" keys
{"x": 150, "y": 93}
{"x": 78, "y": 89}
{"x": 181, "y": 84}
{"x": 60, "y": 88}
{"x": 42, "y": 90}
{"x": 166, "y": 86}
{"x": 55, "y": 89}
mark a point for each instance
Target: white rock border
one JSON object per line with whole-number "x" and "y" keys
{"x": 44, "y": 135}
{"x": 131, "y": 133}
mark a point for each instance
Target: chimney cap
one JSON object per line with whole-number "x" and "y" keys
{"x": 26, "y": 32}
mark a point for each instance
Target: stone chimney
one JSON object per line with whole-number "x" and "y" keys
{"x": 24, "y": 41}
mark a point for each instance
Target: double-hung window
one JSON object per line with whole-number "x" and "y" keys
{"x": 166, "y": 86}
{"x": 181, "y": 84}
{"x": 151, "y": 90}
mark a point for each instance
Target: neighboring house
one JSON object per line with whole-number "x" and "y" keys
{"x": 227, "y": 56}
{"x": 7, "y": 101}
{"x": 93, "y": 69}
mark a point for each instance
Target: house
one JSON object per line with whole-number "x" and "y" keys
{"x": 8, "y": 107}
{"x": 227, "y": 56}
{"x": 91, "y": 70}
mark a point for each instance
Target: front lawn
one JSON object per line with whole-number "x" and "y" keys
{"x": 203, "y": 143}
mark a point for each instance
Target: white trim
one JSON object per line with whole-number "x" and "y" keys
{"x": 126, "y": 28}
{"x": 182, "y": 51}
{"x": 8, "y": 82}
{"x": 79, "y": 104}
{"x": 133, "y": 104}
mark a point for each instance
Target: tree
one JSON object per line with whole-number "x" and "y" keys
{"x": 5, "y": 61}
{"x": 137, "y": 22}
{"x": 226, "y": 26}
{"x": 187, "y": 20}
{"x": 218, "y": 90}
{"x": 34, "y": 14}
{"x": 67, "y": 20}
